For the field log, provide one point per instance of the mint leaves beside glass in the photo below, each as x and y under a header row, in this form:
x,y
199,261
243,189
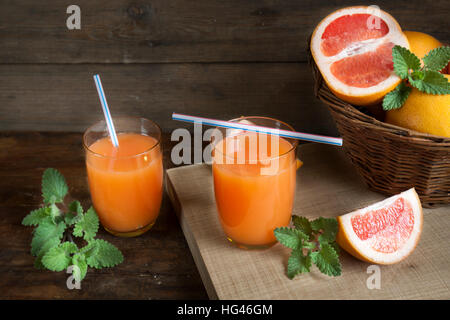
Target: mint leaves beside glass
x,y
426,78
58,224
311,242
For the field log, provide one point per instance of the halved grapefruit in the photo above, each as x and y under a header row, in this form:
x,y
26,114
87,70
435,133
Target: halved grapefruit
x,y
353,49
385,232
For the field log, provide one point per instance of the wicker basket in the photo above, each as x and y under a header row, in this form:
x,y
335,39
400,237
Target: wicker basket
x,y
389,158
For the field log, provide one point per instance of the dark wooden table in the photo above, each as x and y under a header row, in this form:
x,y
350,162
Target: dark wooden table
x,y
158,264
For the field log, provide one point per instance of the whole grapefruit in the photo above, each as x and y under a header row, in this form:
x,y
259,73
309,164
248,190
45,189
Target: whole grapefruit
x,y
423,112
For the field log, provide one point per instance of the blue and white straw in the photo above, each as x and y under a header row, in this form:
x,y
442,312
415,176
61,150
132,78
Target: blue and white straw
x,y
109,122
255,128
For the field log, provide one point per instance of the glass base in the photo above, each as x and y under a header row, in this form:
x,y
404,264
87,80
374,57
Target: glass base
x,y
251,246
131,234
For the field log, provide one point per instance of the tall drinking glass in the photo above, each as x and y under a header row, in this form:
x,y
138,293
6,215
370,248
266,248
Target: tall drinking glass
x,y
126,183
254,182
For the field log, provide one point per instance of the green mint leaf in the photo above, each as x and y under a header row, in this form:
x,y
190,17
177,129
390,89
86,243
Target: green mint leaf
x,y
302,224
46,231
52,242
437,59
328,227
86,225
106,256
69,247
54,212
397,97
417,75
335,247
90,249
290,237
432,82
79,260
58,258
327,260
298,263
70,218
36,216
404,60
54,187
74,213
75,207
309,245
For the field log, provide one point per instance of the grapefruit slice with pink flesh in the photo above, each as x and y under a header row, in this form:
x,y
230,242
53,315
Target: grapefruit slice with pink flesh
x,y
385,232
352,48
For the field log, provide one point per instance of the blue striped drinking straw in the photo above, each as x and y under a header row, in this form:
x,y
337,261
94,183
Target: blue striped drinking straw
x,y
255,128
109,122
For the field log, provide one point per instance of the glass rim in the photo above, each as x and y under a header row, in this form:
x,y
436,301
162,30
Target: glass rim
x,y
294,145
158,142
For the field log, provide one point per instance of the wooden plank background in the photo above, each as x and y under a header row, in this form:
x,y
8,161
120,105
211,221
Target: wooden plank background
x,y
160,56
123,31
64,98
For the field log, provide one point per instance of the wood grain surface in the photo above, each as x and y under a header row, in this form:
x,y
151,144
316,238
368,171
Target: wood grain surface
x,y
157,265
64,98
327,185
123,31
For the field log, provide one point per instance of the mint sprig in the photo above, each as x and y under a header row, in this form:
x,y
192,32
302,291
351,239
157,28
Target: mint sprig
x,y
311,242
424,78
53,244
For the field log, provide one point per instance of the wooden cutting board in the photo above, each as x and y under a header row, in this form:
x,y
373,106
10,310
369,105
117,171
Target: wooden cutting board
x,y
327,185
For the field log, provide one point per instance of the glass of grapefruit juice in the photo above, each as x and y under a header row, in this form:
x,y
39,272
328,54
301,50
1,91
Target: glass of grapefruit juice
x,y
126,183
254,182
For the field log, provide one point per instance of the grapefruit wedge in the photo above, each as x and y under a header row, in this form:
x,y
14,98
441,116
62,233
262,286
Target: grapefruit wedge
x,y
352,48
385,232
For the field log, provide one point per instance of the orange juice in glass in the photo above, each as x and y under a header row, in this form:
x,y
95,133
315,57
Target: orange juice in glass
x,y
254,182
126,183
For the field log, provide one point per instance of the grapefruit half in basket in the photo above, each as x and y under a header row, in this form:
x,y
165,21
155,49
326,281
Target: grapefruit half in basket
x,y
352,48
385,232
